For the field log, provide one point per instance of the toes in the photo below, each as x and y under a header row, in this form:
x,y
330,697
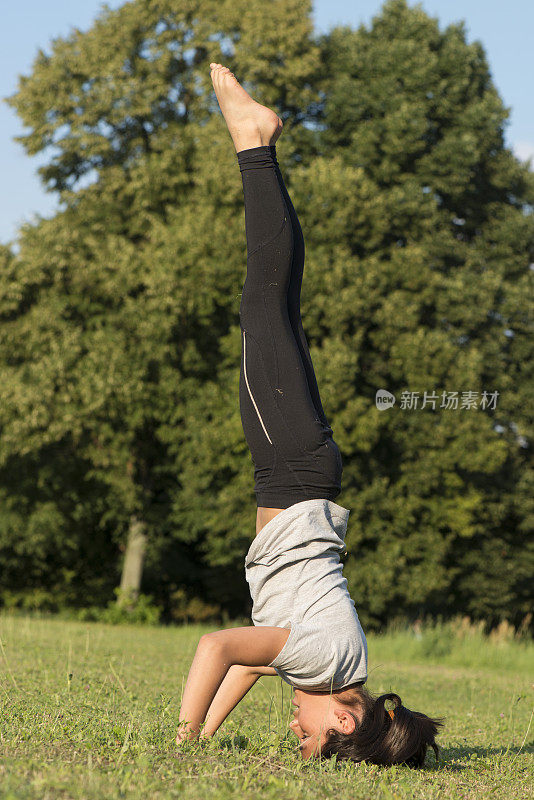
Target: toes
x,y
216,72
219,72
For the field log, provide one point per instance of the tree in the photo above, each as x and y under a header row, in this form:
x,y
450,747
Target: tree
x,y
437,236
114,312
419,237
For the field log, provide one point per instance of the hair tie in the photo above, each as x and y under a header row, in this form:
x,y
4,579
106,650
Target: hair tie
x,y
390,712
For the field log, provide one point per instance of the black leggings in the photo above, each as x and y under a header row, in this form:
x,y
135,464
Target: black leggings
x,y
294,454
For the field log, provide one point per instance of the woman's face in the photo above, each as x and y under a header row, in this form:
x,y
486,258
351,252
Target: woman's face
x,y
314,714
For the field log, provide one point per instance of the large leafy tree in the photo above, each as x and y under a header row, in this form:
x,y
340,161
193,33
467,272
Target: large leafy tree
x,y
119,343
114,311
433,213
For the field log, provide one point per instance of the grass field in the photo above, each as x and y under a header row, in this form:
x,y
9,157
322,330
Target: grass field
x,y
90,711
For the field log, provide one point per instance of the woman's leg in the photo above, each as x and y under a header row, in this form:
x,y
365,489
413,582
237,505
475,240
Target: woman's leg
x,y
294,455
293,298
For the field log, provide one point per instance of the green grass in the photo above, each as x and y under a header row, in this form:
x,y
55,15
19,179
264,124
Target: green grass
x,y
90,711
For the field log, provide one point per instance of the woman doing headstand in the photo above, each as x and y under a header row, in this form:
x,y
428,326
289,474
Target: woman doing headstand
x,y
306,629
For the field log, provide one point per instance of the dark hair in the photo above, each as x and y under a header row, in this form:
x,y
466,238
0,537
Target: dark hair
x,y
381,738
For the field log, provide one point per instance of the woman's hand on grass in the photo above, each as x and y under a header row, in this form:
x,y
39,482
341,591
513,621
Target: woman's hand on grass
x,y
185,733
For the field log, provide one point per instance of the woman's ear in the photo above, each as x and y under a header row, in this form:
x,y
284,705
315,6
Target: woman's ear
x,y
345,720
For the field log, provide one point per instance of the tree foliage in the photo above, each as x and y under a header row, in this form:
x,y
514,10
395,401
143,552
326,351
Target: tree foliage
x,y
119,335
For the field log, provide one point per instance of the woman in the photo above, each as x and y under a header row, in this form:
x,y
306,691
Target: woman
x,y
306,629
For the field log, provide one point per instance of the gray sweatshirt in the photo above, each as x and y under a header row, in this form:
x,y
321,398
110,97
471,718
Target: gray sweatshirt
x,y
295,579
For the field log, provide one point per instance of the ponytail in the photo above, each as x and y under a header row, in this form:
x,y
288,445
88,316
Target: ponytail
x,y
384,736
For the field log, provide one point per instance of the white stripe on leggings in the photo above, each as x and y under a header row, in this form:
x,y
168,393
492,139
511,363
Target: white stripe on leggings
x,y
248,387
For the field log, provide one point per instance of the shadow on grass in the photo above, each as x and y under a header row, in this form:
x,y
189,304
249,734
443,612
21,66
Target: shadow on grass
x,y
467,754
236,742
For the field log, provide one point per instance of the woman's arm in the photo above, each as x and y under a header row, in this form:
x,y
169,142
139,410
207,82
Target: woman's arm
x,y
237,682
216,653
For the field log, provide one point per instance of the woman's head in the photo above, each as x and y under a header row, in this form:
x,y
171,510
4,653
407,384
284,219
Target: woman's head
x,y
314,714
358,727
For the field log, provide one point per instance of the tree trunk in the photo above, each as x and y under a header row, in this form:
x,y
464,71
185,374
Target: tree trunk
x,y
132,569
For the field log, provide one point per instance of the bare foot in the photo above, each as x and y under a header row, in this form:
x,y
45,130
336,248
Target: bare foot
x,y
250,124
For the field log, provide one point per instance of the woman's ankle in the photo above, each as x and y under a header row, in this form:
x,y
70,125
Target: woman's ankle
x,y
247,143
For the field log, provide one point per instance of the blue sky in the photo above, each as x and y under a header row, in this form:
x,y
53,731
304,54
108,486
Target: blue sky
x,y
504,28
